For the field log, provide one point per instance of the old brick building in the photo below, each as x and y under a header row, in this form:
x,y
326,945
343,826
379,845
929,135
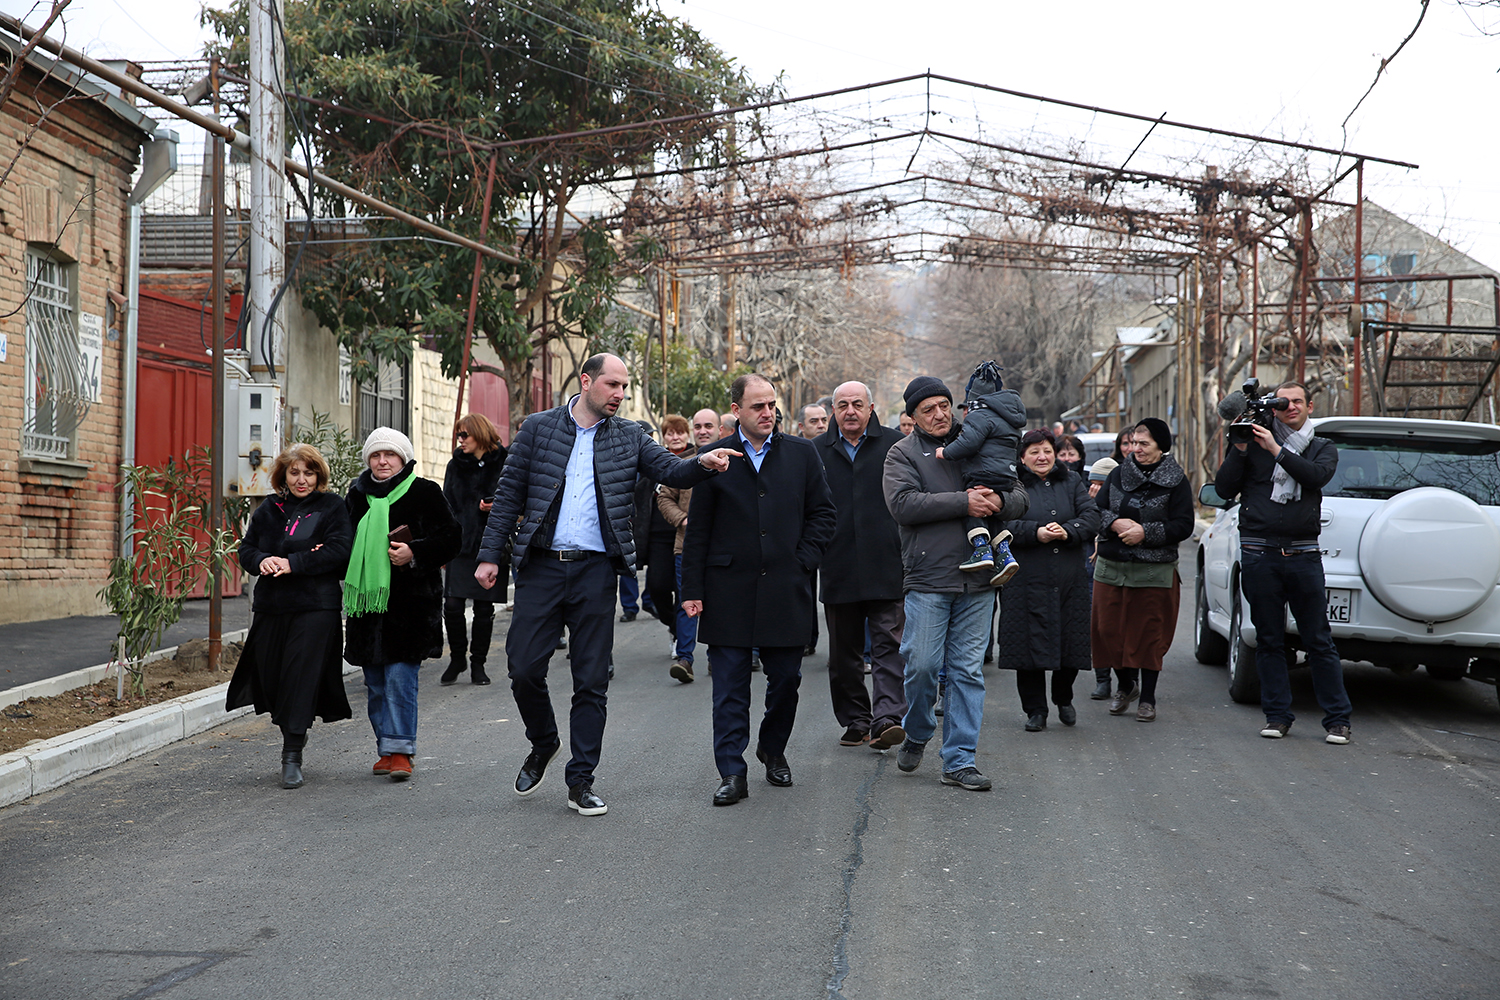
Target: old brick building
x,y
67,151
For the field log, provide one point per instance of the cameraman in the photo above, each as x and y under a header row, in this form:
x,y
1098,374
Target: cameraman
x,y
1280,477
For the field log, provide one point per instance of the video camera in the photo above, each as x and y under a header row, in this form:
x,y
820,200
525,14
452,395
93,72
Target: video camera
x,y
1247,406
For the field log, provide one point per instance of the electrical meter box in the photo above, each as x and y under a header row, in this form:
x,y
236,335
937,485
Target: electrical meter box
x,y
253,425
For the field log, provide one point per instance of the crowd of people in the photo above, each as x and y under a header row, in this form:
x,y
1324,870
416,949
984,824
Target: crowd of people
x,y
911,537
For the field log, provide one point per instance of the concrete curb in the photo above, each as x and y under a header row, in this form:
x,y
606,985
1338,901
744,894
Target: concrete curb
x,y
47,687
48,764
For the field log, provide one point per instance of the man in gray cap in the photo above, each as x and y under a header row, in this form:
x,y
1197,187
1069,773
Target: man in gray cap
x,y
947,610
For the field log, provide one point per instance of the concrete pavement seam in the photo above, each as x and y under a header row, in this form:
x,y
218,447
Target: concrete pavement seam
x,y
851,868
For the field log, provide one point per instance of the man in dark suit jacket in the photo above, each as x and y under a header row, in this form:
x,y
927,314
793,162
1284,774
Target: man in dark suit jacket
x,y
862,575
756,534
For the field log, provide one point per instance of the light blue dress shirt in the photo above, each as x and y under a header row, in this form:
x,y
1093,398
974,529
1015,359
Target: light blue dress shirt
x,y
756,457
578,516
853,449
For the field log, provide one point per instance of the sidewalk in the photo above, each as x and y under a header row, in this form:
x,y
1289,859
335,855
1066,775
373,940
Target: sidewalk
x,y
33,651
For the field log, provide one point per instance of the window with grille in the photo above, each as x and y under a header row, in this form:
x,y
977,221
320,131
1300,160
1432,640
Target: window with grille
x,y
382,403
55,401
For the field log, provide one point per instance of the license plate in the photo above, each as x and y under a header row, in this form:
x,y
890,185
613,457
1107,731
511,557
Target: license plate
x,y
1340,606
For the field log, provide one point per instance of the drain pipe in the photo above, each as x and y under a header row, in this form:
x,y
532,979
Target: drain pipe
x,y
132,334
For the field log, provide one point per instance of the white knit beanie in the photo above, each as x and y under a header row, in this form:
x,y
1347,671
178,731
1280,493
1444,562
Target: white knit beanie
x,y
387,439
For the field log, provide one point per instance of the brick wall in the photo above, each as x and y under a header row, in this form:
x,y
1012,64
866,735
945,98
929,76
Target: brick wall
x,y
59,520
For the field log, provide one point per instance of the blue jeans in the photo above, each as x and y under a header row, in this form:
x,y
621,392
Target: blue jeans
x,y
1273,583
946,632
687,628
392,701
630,593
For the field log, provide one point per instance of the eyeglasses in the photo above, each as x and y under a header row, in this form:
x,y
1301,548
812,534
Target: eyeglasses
x,y
463,435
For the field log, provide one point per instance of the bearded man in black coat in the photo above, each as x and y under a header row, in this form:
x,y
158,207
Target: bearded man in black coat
x,y
756,534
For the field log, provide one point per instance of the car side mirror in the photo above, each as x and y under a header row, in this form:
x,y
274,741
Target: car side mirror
x,y
1209,497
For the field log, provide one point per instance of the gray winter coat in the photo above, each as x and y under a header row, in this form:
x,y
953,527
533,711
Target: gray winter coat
x,y
531,482
926,496
986,444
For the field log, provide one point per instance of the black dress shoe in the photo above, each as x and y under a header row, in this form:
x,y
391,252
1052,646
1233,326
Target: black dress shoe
x,y
777,771
628,616
731,790
535,768
1036,723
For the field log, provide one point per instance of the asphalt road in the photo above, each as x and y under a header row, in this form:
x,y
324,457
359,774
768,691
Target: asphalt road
x,y
1186,858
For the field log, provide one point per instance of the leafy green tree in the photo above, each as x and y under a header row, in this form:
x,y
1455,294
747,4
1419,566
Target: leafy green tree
x,y
411,95
692,381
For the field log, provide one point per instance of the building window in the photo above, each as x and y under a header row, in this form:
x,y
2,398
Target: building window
x,y
55,402
383,402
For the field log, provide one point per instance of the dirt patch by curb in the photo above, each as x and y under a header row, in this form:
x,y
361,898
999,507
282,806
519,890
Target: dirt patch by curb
x,y
42,718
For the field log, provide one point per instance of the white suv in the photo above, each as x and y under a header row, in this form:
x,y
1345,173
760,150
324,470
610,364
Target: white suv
x,y
1411,554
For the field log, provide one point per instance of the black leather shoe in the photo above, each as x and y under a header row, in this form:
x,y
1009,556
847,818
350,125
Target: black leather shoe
x,y
477,674
731,790
535,768
1036,723
777,771
584,802
291,769
451,674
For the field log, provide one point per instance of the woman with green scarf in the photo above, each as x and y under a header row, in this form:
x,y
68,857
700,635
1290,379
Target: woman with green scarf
x,y
393,592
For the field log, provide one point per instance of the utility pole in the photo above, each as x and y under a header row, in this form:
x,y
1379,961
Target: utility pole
x,y
267,185
216,456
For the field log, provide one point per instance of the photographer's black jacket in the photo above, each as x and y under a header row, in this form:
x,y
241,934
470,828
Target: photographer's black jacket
x,y
1247,474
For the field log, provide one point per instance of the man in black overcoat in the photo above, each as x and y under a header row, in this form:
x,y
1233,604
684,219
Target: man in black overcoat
x,y
862,575
756,534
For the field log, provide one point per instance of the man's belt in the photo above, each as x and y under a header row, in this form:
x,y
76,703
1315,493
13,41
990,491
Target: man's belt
x,y
570,555
1286,548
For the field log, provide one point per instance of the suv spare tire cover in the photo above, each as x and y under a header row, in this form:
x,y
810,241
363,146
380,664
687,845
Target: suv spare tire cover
x,y
1430,554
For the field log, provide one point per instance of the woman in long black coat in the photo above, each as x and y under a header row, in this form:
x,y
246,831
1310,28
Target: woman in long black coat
x,y
395,610
469,487
298,545
1044,606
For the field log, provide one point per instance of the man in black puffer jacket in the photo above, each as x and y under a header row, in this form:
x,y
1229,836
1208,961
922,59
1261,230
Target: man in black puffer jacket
x,y
567,494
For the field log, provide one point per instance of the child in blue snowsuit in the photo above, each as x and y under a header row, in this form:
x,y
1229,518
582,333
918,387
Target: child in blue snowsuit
x,y
987,445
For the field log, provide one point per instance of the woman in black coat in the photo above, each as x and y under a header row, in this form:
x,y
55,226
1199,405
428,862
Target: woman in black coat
x,y
298,545
469,487
1145,512
393,592
1043,605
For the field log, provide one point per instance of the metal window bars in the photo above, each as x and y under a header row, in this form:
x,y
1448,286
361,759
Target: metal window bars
x,y
55,401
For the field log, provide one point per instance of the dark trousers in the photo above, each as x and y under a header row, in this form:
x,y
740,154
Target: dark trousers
x,y
730,666
458,640
661,579
852,704
1031,685
549,595
1272,583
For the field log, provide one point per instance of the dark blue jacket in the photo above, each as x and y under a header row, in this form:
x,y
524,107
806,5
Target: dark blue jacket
x,y
530,490
988,440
